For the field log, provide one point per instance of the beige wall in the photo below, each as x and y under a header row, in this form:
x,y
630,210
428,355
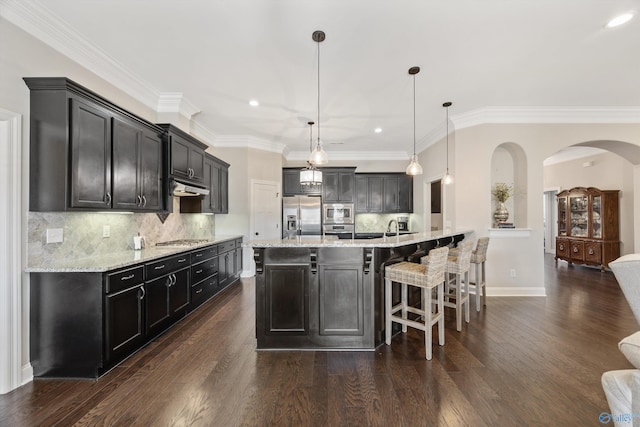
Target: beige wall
x,y
469,201
609,172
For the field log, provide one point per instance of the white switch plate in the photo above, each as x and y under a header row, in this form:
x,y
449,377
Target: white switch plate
x,y
54,235
106,231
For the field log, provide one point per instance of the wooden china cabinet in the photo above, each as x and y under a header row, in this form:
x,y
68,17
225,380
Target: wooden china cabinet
x,y
588,230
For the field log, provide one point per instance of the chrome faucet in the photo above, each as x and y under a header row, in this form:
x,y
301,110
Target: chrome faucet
x,y
389,227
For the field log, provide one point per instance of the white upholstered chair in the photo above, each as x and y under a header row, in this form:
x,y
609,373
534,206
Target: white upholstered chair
x,y
428,277
622,387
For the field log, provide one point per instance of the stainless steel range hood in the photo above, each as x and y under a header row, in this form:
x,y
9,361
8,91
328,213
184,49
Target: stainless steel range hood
x,y
181,189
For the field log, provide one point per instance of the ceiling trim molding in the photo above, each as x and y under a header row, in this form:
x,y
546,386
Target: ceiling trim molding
x,y
36,20
203,133
175,102
247,141
352,155
560,115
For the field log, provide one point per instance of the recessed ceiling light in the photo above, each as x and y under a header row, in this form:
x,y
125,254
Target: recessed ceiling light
x,y
377,130
254,103
620,19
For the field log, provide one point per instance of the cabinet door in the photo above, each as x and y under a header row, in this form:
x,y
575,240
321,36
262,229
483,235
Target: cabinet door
x,y
341,300
291,182
346,186
207,204
150,171
577,250
90,156
157,305
375,191
196,163
405,194
286,300
562,248
390,192
224,190
593,252
124,322
179,293
180,151
238,262
330,187
362,188
562,216
126,157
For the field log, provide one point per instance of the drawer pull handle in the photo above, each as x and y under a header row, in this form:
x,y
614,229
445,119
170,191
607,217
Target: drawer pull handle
x,y
198,291
131,276
575,249
591,251
159,267
182,260
198,271
198,255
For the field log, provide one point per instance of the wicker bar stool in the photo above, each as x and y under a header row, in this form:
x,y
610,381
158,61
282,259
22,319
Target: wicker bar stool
x,y
478,258
427,277
456,293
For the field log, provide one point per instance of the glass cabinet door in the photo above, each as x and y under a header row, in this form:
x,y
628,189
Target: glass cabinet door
x,y
562,216
596,226
579,216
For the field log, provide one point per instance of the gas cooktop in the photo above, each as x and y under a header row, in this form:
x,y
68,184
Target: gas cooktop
x,y
183,242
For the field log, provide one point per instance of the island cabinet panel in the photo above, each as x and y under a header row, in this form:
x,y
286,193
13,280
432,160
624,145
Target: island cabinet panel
x,y
341,300
314,298
287,300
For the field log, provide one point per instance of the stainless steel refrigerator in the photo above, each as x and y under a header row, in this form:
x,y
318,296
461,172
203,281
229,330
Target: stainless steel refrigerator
x,y
301,216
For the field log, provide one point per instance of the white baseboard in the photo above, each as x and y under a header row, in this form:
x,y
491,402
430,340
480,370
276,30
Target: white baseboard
x,y
516,291
247,273
27,374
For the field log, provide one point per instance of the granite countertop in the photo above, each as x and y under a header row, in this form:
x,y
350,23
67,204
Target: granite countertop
x,y
333,241
117,260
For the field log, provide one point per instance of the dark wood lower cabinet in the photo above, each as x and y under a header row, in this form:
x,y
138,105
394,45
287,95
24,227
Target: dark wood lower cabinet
x,y
83,324
314,298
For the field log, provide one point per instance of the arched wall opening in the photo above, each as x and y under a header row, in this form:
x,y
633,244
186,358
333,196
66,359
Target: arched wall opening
x,y
509,166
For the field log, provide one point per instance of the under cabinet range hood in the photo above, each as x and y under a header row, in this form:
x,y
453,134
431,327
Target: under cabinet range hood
x,y
181,189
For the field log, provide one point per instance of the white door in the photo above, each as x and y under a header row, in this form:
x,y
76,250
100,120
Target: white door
x,y
265,210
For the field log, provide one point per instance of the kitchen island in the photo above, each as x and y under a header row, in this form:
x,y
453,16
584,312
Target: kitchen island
x,y
324,293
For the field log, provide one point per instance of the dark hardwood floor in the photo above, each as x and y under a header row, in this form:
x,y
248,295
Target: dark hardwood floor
x,y
520,362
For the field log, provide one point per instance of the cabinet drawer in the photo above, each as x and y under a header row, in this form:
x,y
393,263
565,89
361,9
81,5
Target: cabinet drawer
x,y
593,252
204,289
226,246
166,265
562,248
577,250
203,269
205,253
124,279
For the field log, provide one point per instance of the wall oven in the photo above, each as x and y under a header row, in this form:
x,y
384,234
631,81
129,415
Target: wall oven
x,y
337,213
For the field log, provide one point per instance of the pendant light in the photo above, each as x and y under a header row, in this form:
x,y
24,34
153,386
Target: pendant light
x,y
310,175
318,156
448,178
414,167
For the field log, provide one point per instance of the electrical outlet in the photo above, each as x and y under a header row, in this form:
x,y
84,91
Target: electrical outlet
x,y
106,231
513,272
54,235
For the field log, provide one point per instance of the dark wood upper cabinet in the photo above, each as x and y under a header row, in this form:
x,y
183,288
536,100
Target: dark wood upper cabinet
x,y
90,157
384,193
186,155
338,185
216,180
87,153
291,184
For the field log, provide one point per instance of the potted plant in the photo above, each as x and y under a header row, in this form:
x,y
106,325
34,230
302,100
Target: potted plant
x,y
501,192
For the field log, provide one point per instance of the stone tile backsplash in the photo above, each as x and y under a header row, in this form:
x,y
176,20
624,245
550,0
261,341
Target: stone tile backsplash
x,y
82,232
377,223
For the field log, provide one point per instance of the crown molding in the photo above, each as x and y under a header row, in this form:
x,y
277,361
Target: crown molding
x,y
527,115
246,141
351,155
36,20
175,102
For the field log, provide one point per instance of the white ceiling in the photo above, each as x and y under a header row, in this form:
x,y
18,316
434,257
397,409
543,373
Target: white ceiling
x,y
535,57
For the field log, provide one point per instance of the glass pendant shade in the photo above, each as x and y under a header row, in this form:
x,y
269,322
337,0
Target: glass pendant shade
x,y
414,167
310,176
319,156
447,179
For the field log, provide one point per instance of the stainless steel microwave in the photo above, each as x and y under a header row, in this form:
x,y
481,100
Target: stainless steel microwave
x,y
337,213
